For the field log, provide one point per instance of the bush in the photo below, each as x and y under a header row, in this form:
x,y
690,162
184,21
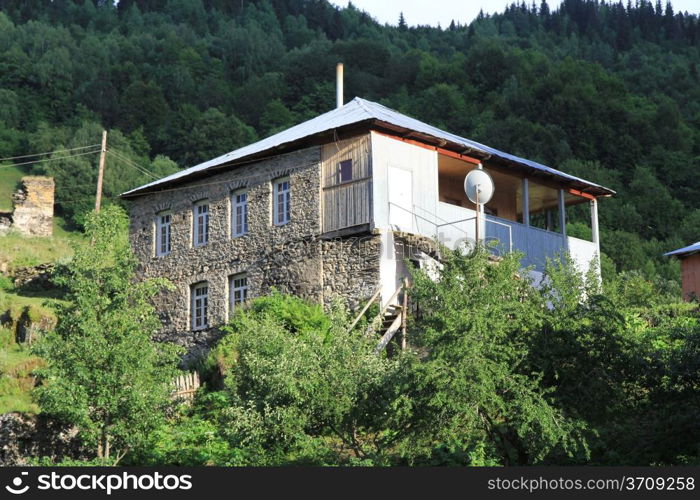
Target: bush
x,y
302,389
6,283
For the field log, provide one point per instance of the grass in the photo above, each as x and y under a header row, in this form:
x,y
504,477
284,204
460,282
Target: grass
x,y
16,362
9,181
39,304
21,251
16,379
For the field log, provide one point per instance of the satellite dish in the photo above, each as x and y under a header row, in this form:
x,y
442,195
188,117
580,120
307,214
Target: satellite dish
x,y
478,185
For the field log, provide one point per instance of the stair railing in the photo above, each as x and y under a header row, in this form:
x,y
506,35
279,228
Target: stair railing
x,y
371,301
402,287
403,312
391,299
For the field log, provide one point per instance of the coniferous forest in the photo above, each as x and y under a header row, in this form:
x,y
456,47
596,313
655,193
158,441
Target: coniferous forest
x,y
572,372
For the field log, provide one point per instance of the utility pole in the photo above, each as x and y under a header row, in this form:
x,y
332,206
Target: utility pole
x,y
101,173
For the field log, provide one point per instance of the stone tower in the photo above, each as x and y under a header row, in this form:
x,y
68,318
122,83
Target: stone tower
x,y
33,206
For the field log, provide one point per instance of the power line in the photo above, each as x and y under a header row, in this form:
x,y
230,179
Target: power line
x,y
124,157
139,170
49,159
132,164
129,162
47,153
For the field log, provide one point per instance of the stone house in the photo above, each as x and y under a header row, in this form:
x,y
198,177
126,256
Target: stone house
x,y
333,207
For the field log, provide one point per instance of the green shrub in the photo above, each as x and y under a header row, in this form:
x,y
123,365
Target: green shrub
x,y
188,441
7,337
292,313
6,283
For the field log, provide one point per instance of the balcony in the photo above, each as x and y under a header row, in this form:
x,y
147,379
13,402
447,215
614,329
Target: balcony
x,y
454,227
537,244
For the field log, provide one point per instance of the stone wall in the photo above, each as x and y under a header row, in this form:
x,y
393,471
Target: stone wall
x,y
351,269
23,437
291,258
33,206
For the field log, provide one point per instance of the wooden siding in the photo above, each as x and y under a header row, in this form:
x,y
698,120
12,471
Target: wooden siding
x,y
690,276
346,204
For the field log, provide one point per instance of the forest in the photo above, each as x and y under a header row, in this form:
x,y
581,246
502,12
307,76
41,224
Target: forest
x,y
605,90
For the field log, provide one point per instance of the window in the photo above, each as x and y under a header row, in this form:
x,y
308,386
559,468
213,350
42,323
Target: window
x,y
200,305
281,206
239,213
344,171
238,291
201,223
163,245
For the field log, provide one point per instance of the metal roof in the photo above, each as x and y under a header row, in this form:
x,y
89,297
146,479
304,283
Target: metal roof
x,y
356,111
695,247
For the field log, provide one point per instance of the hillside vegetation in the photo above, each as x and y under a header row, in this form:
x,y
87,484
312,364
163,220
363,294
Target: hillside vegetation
x,y
9,180
26,307
16,375
601,89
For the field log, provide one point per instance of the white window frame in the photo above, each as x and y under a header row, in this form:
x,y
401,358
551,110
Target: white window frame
x,y
199,305
239,213
163,240
281,201
200,223
237,291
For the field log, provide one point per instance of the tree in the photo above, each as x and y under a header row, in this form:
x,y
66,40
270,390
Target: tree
x,y
104,373
303,389
474,397
402,22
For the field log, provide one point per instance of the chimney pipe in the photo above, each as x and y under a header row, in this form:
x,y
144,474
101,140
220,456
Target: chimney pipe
x,y
339,85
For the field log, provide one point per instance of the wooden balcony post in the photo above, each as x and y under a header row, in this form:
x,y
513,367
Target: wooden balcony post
x,y
562,213
526,202
594,222
404,314
595,232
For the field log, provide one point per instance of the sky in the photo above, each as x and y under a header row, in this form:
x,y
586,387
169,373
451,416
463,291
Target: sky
x,y
463,11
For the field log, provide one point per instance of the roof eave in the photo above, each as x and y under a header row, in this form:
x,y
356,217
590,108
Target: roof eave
x,y
580,185
309,141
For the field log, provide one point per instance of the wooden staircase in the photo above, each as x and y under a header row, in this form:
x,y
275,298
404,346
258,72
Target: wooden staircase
x,y
391,319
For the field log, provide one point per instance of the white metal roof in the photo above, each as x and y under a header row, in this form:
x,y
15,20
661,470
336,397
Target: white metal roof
x,y
355,111
695,247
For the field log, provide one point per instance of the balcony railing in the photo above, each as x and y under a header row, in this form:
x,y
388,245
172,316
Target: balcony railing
x,y
455,226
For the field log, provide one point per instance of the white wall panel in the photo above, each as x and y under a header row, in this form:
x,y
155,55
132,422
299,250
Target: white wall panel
x,y
422,163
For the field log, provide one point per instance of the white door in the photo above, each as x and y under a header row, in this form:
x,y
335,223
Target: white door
x,y
401,199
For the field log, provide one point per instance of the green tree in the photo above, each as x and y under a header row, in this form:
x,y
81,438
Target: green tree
x,y
104,373
303,389
476,400
402,22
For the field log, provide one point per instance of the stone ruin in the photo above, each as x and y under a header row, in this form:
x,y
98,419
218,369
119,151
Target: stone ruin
x,y
33,208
